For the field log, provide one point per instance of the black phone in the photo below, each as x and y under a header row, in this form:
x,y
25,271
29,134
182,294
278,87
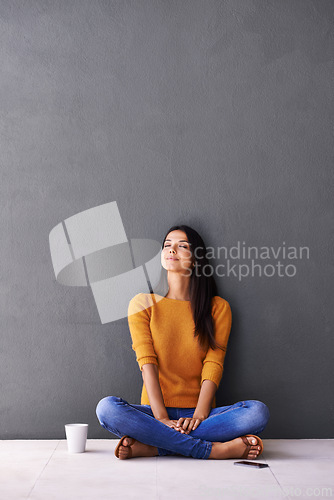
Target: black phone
x,y
256,465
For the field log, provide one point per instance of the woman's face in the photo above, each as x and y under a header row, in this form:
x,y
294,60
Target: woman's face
x,y
176,254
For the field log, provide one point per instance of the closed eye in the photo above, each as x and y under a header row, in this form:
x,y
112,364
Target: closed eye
x,y
183,246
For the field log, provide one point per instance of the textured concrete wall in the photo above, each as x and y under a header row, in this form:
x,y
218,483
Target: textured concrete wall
x,y
216,114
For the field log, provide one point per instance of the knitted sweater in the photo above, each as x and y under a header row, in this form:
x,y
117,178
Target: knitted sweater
x,y
162,332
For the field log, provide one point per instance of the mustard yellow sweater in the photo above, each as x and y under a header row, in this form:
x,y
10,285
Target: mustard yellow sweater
x,y
162,332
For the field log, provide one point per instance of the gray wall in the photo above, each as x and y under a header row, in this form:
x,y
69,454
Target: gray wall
x,y
216,114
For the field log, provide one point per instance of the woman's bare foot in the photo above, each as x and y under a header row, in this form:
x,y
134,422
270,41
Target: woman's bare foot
x,y
235,449
138,449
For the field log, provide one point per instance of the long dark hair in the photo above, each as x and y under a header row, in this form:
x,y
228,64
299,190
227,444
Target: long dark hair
x,y
202,288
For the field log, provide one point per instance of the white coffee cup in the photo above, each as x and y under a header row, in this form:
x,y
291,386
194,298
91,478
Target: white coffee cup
x,y
76,435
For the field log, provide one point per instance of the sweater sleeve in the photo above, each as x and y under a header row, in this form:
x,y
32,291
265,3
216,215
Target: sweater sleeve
x,y
214,361
139,325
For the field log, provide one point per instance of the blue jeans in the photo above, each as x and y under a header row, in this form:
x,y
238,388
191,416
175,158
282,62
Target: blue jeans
x,y
223,424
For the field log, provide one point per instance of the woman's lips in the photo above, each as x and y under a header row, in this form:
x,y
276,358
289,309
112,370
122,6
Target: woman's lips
x,y
171,258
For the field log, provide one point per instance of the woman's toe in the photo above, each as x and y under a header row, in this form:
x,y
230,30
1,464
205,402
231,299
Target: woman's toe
x,y
123,451
255,449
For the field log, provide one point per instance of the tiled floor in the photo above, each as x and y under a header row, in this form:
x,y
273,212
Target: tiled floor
x,y
44,470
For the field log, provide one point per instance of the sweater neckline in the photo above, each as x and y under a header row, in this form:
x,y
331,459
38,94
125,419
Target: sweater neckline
x,y
175,300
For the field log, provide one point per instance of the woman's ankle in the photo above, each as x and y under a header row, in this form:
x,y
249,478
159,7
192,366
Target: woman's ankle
x,y
214,450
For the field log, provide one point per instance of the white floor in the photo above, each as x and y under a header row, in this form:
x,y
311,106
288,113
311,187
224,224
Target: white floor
x,y
44,470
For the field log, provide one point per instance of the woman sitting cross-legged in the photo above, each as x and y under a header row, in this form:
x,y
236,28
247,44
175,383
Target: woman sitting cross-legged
x,y
180,340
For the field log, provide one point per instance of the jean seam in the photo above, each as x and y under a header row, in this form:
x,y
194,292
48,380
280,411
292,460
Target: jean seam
x,y
207,450
229,409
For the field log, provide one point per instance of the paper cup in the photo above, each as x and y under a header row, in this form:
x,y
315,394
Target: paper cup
x,y
76,436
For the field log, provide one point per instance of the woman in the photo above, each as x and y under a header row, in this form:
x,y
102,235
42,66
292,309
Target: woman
x,y
180,341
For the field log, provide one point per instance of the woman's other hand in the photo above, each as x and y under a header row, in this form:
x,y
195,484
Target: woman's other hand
x,y
188,424
183,425
169,422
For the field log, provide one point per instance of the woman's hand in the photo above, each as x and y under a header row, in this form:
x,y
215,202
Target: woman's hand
x,y
188,424
183,425
169,422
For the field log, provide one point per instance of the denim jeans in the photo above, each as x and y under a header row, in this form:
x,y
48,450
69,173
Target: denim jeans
x,y
223,424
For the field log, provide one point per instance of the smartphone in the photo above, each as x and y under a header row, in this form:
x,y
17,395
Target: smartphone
x,y
256,465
